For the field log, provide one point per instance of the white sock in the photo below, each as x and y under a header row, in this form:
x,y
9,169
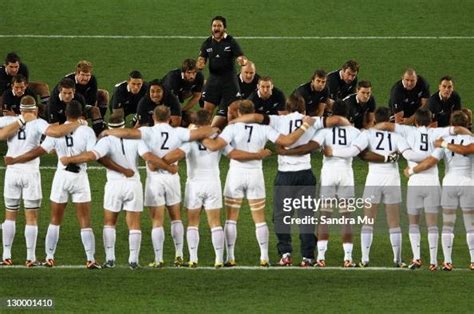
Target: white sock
x,y
396,241
8,234
415,239
447,238
322,248
52,237
192,237
347,247
433,244
217,235
262,234
88,241
366,236
158,238
109,236
134,242
177,233
470,244
31,234
230,232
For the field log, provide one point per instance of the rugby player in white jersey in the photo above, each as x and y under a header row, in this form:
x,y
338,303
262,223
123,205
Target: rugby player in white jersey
x,y
245,178
382,184
203,189
294,178
458,185
424,190
121,191
23,180
162,188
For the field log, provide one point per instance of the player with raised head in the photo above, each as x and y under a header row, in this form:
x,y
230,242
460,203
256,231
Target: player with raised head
x,y
248,79
157,95
221,50
268,99
457,153
382,184
13,95
162,186
127,95
407,95
361,106
245,178
343,82
23,180
123,190
315,94
186,83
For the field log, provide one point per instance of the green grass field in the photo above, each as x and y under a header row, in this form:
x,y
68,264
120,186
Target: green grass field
x,y
435,37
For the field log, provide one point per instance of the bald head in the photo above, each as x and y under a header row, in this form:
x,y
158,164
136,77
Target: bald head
x,y
409,79
248,72
162,113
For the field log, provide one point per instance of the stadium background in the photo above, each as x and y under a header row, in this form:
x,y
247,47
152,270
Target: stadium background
x,y
435,37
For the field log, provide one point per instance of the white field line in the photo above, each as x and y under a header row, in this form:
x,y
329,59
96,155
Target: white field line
x,y
251,268
88,168
60,36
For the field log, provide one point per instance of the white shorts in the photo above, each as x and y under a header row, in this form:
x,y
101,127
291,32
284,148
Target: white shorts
x,y
207,194
384,188
162,189
457,190
126,194
20,184
423,192
337,183
67,183
241,182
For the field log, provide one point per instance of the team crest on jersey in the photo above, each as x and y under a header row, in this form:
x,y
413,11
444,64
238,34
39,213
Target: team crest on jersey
x,y
227,48
209,50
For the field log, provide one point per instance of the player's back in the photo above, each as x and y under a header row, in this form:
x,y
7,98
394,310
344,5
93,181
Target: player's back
x,y
337,137
163,138
27,138
249,137
201,164
457,164
383,143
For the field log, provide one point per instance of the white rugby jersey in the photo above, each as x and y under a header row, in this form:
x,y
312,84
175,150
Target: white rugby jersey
x,y
122,151
456,164
285,124
26,138
80,140
337,137
383,143
160,139
202,164
249,137
420,140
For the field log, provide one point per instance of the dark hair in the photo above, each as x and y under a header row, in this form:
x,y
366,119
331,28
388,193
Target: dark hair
x,y
459,118
423,116
246,106
364,84
74,109
340,108
66,83
352,65
162,113
265,79
12,57
19,78
319,73
295,103
446,78
382,114
202,117
156,82
220,18
135,75
188,64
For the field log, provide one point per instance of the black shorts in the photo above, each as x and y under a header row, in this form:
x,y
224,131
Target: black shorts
x,y
221,91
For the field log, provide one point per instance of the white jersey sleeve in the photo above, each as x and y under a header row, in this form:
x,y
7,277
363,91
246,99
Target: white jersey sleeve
x,y
228,133
271,134
48,144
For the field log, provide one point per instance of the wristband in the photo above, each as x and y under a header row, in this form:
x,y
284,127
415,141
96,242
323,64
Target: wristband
x,y
305,126
385,158
410,171
444,144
